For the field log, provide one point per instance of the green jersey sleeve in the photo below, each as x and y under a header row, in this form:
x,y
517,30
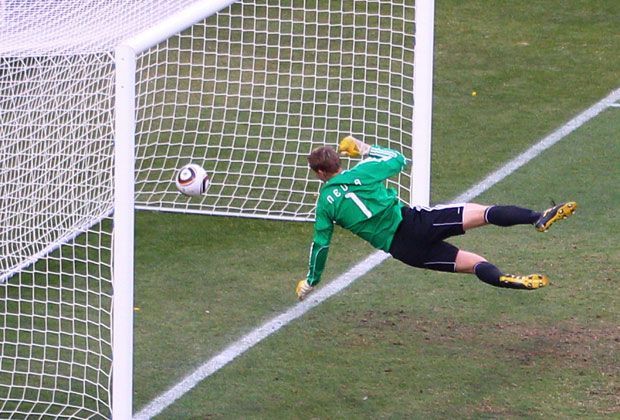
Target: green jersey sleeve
x,y
382,163
323,230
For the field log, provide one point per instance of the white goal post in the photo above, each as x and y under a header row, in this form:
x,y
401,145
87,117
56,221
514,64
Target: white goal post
x,y
101,102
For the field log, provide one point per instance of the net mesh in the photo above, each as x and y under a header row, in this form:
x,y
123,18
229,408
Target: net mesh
x,y
246,93
249,92
56,185
55,235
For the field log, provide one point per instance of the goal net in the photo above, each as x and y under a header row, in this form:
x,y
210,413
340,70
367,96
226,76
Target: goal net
x,y
246,89
249,92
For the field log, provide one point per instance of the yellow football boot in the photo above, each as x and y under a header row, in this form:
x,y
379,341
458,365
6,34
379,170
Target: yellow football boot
x,y
533,281
553,214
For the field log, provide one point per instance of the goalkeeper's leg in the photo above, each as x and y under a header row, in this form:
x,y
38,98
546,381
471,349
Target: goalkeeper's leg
x,y
443,256
419,241
468,262
475,215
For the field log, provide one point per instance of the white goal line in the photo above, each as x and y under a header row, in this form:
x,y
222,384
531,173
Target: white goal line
x,y
249,340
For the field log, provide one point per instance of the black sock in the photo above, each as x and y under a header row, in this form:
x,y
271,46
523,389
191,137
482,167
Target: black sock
x,y
488,273
510,216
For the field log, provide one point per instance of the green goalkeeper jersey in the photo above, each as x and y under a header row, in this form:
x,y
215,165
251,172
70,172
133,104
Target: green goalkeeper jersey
x,y
358,200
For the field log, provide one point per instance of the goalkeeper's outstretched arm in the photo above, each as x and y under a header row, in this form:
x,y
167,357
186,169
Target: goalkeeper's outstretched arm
x,y
383,163
323,230
318,257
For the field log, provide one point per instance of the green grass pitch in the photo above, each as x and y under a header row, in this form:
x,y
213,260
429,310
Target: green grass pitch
x,y
405,343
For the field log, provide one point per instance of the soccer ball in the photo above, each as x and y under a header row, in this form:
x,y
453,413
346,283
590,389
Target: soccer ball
x,y
192,180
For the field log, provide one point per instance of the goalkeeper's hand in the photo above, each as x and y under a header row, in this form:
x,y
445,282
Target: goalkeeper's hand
x,y
302,289
352,147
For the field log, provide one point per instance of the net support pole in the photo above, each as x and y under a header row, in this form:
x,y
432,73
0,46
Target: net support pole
x,y
423,102
123,240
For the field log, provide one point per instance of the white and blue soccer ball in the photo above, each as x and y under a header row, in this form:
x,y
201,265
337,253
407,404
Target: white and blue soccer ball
x,y
192,180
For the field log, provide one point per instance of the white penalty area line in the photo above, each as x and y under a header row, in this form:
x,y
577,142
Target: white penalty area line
x,y
249,340
539,147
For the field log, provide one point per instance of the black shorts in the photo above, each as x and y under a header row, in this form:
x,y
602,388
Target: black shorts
x,y
419,239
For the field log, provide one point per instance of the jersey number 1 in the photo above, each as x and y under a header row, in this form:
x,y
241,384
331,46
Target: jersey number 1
x,y
359,204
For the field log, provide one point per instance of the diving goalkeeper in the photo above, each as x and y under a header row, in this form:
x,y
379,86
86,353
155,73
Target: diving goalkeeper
x,y
358,200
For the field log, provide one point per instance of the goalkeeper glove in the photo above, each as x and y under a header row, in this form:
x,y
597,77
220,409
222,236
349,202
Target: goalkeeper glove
x,y
352,147
302,289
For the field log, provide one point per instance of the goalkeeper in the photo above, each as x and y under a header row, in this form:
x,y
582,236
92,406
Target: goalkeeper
x,y
358,200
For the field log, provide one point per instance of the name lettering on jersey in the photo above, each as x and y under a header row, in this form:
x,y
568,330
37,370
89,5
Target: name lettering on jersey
x,y
336,191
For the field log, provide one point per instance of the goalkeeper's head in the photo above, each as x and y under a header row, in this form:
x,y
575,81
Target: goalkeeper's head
x,y
325,161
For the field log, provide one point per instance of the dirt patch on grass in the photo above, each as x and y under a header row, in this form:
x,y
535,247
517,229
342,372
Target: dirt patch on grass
x,y
567,340
577,349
